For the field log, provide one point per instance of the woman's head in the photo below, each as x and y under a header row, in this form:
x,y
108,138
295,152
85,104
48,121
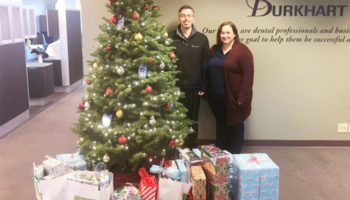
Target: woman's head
x,y
227,33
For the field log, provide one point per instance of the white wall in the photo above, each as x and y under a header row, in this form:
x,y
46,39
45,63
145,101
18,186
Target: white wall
x,y
300,88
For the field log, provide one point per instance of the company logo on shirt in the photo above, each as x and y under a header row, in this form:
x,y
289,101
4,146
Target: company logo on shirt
x,y
195,46
261,8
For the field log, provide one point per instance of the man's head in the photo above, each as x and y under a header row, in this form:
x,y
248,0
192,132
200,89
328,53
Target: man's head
x,y
186,16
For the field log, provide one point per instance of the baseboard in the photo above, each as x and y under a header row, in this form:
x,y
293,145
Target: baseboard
x,y
13,123
70,88
286,142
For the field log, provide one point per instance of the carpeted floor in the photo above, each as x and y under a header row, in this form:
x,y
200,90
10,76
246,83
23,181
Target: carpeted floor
x,y
306,173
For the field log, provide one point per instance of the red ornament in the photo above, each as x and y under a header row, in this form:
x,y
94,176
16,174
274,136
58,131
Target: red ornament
x,y
88,82
146,7
151,60
168,106
109,91
122,140
172,143
81,105
148,89
172,55
111,1
155,7
108,47
135,15
113,19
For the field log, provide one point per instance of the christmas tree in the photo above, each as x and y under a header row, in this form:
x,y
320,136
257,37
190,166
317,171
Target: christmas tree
x,y
132,111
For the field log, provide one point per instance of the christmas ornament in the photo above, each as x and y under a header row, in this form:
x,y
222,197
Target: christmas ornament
x,y
106,120
86,105
81,105
108,47
106,158
155,7
148,89
113,19
142,73
135,15
88,82
119,113
111,1
151,60
146,7
120,70
95,66
168,106
109,91
138,37
165,35
172,143
162,65
120,24
122,140
172,55
152,121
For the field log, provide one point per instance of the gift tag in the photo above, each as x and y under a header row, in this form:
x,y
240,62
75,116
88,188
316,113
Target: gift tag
x,y
142,71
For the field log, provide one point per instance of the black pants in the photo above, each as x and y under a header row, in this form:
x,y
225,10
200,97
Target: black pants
x,y
191,102
228,137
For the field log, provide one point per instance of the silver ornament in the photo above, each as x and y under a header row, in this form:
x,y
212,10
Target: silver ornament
x,y
106,158
162,65
120,70
152,121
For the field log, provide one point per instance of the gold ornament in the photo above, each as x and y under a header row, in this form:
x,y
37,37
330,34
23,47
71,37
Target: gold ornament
x,y
138,37
119,113
95,66
165,35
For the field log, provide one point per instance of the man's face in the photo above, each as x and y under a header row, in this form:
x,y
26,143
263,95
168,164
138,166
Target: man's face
x,y
186,18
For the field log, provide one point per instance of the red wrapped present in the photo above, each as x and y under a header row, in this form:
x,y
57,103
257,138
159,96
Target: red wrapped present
x,y
147,185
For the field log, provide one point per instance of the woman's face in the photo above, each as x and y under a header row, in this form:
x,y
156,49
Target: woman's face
x,y
226,35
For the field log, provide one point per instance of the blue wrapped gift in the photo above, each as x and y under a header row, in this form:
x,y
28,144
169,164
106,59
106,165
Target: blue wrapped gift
x,y
184,173
74,161
258,177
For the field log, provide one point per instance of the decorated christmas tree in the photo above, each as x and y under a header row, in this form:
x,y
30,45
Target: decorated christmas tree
x,y
132,111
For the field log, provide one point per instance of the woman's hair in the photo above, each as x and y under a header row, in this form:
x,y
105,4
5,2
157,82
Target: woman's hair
x,y
234,28
218,40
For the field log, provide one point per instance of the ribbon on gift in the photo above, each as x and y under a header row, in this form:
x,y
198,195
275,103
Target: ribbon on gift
x,y
147,179
170,172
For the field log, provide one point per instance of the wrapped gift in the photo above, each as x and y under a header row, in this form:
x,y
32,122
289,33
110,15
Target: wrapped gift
x,y
147,185
190,157
216,164
258,176
53,167
74,161
172,190
127,192
198,181
218,191
64,187
183,169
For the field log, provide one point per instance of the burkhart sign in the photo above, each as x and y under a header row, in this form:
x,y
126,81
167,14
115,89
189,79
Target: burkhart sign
x,y
261,8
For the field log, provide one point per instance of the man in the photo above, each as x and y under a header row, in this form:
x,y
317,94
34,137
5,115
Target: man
x,y
191,50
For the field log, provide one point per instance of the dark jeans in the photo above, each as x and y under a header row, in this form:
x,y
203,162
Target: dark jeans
x,y
228,137
191,102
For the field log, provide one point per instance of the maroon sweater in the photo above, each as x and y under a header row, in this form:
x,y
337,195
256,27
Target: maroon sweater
x,y
239,73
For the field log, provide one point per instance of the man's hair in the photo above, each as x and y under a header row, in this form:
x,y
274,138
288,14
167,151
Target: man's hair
x,y
186,7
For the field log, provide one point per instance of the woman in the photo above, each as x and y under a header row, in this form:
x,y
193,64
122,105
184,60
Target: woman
x,y
230,72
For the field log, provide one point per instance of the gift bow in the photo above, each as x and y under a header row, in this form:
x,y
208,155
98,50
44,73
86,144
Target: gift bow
x,y
147,179
170,172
